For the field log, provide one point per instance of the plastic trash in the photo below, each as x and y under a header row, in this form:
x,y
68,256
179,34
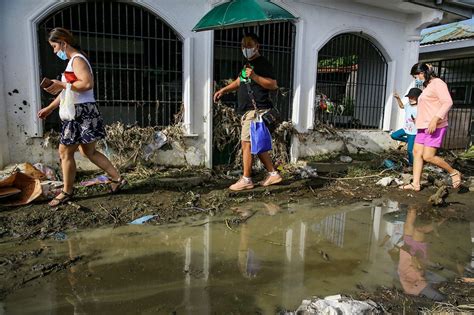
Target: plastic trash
x,y
435,169
60,236
337,305
47,171
102,179
159,140
51,189
385,181
67,110
390,165
143,219
306,172
345,159
106,149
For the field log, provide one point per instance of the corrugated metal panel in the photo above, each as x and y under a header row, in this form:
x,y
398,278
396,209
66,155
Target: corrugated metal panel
x,y
449,32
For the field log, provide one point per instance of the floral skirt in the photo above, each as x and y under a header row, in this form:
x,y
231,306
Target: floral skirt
x,y
87,126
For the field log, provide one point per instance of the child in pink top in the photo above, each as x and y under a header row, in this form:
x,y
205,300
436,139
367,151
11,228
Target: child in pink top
x,y
432,123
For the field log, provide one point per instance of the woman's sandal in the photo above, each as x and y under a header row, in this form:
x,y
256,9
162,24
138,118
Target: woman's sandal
x,y
60,201
410,186
121,182
456,183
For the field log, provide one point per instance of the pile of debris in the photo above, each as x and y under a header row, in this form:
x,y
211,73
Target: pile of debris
x,y
337,304
227,130
23,183
129,145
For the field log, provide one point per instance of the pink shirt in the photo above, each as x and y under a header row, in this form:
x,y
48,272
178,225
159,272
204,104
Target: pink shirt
x,y
434,101
411,278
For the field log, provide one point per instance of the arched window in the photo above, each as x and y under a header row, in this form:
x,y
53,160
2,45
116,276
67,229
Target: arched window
x,y
350,84
277,45
136,57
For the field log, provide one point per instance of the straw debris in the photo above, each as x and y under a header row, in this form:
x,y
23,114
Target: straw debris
x,y
126,142
227,130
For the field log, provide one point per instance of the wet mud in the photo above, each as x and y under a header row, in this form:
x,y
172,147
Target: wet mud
x,y
212,251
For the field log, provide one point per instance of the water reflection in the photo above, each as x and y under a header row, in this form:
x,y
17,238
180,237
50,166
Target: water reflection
x,y
413,258
277,256
420,251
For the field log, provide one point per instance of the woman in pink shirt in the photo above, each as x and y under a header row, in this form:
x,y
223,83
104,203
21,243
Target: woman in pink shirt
x,y
432,124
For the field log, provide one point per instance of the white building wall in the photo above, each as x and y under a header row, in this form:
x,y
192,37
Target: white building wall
x,y
20,71
320,20
4,152
390,31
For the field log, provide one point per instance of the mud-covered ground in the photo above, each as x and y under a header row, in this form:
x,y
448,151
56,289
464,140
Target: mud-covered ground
x,y
175,194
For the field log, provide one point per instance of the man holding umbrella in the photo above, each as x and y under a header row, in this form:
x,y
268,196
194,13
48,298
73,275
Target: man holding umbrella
x,y
258,74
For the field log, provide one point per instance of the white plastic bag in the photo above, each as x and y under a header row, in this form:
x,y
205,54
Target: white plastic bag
x,y
67,111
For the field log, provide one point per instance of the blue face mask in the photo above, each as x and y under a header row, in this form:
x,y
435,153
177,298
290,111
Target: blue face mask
x,y
419,83
61,55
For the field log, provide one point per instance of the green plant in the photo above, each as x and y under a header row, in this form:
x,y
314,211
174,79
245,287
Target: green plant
x,y
348,103
336,62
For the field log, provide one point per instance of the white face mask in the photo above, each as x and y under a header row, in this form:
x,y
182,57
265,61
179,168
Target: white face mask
x,y
249,52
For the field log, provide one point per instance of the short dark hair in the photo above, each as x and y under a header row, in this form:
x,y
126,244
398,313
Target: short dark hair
x,y
253,36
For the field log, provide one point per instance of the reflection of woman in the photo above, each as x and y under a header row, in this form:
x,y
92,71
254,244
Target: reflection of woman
x,y
87,127
77,296
414,259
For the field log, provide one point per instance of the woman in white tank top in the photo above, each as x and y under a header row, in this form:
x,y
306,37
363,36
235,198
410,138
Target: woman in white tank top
x,y
87,127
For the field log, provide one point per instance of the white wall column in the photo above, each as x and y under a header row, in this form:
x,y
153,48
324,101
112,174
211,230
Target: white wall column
x,y
207,97
4,151
405,80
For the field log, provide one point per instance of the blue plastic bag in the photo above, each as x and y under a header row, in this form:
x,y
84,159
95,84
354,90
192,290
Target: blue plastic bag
x,y
260,138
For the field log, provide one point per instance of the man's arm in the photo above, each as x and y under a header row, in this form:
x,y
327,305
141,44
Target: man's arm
x,y
266,83
226,89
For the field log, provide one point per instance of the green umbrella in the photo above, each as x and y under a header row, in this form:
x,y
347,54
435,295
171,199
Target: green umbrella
x,y
242,13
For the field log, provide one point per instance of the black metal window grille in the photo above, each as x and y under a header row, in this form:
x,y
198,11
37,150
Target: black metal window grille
x,y
459,76
277,45
350,83
136,57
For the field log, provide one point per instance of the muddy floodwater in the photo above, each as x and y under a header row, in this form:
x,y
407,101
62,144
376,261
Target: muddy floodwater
x,y
267,261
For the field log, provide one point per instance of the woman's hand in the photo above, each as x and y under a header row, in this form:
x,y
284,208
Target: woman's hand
x,y
45,112
56,87
432,126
